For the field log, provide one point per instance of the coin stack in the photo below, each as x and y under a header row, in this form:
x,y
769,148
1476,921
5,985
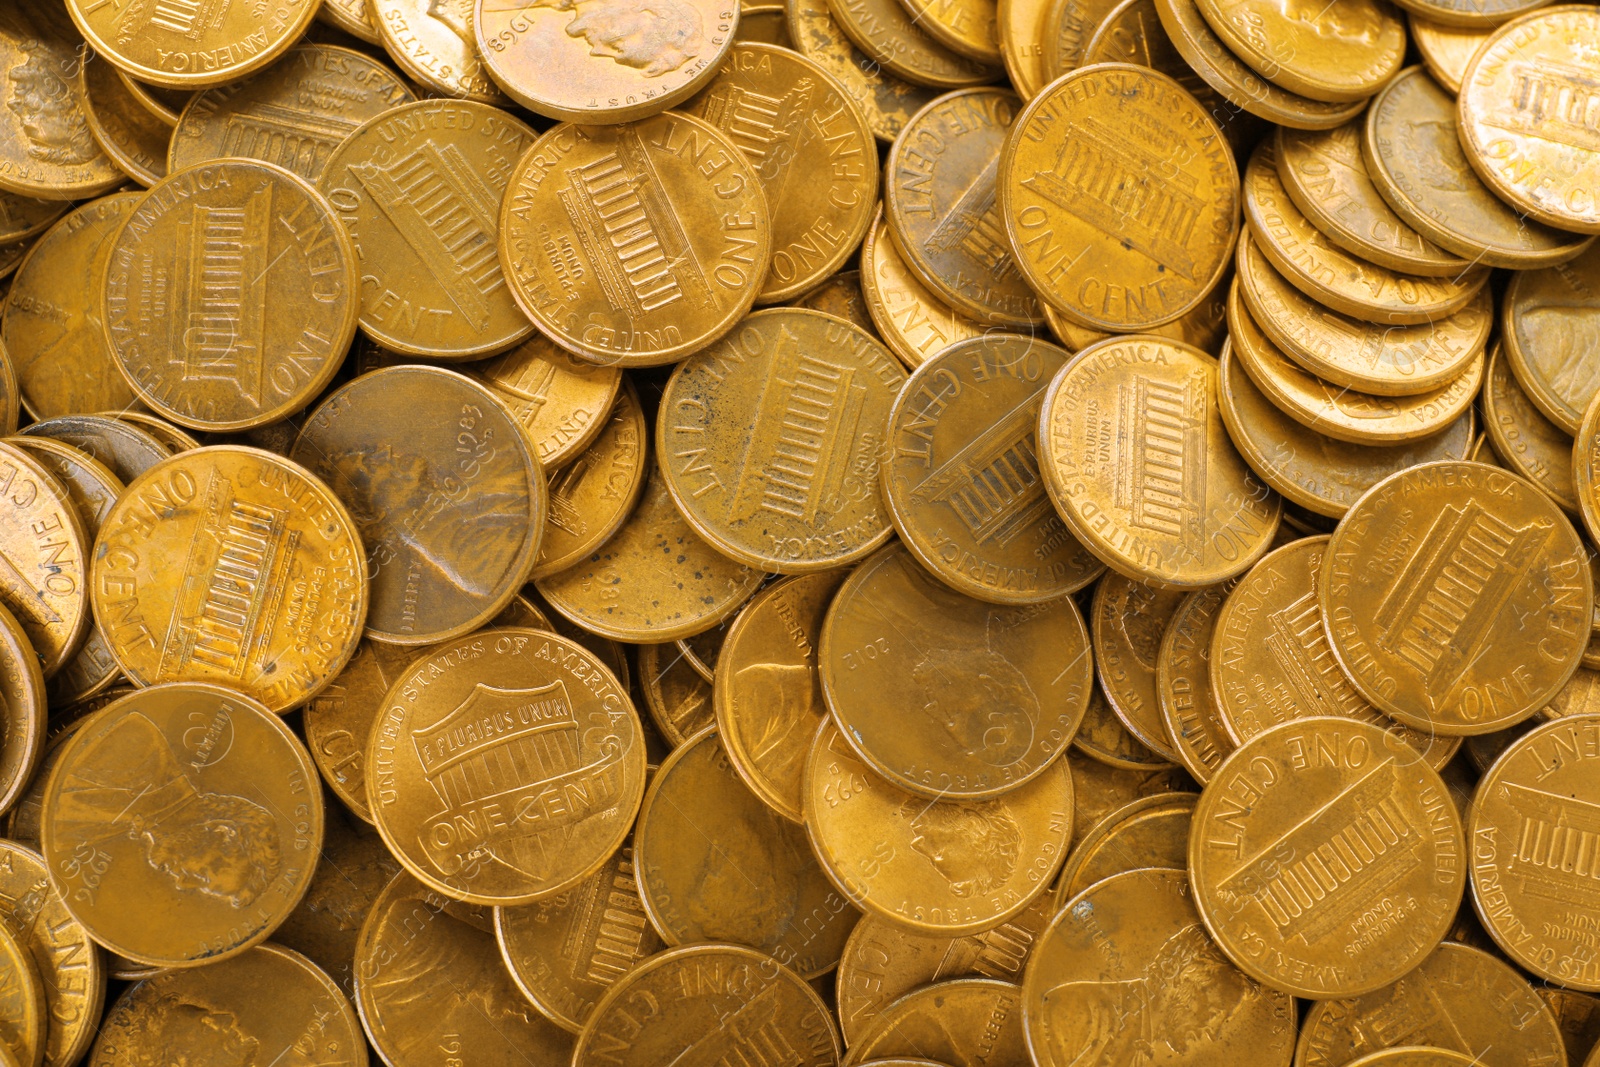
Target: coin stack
x,y
884,533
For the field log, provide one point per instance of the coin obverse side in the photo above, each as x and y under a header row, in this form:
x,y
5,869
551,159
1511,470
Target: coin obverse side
x,y
126,131
1336,54
1327,858
1526,441
434,44
964,1020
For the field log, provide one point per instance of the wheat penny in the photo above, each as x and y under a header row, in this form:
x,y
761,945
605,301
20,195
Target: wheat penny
x,y
44,560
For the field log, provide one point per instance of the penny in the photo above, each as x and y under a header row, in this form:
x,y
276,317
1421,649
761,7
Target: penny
x,y
180,824
1326,179
1336,54
1102,737
965,1022
1578,1016
887,101
49,152
505,766
67,962
1100,789
1150,832
1127,972
947,696
135,140
592,496
10,394
22,711
1330,275
193,47
1530,444
813,154
763,24
699,1003
419,188
942,205
1189,708
561,402
1174,503
697,242
967,27
434,43
1270,661
1068,26
840,295
339,719
883,962
172,438
52,328
44,554
896,38
295,113
1546,314
430,987
702,650
1128,620
1327,857
1416,1057
676,695
912,321
24,1011
1460,998
1445,49
1093,259
352,16
1377,359
164,102
1472,14
1398,552
1021,25
125,449
1205,327
946,867
771,441
1412,152
22,821
1580,696
22,217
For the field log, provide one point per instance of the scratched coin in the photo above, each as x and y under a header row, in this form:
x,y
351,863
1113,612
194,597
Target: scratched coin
x,y
1338,54
24,1018
44,559
1544,315
887,100
49,150
1128,620
892,36
190,45
1183,684
434,42
1148,832
962,1021
912,321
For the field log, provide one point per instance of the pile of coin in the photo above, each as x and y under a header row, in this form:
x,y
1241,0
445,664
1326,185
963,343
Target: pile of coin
x,y
883,533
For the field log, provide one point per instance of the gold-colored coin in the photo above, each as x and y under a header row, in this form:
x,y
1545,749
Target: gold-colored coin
x,y
505,766
52,329
1333,277
1526,441
562,402
1102,737
1327,858
1128,620
44,560
893,38
1189,707
912,321
434,42
171,438
888,101
677,696
1529,152
947,696
1100,789
771,441
715,863
1338,54
432,280
967,27
22,217
338,721
1104,266
67,962
1021,26
941,203
1578,1016
564,952
1460,998
966,1021
1509,639
1068,26
1546,317
1201,516
181,824
164,102
1446,49
49,151
1326,179
1150,832
1580,696
1205,327
1470,14
125,449
815,158
10,394
763,24
22,711
945,867
1417,1056
601,64
962,479
22,821
840,295
1377,359
191,47
354,17
1126,972
1586,468
24,1011
883,962
697,242
1416,160
293,114
704,1003
430,987
1530,860
1270,661
768,693
135,140
654,580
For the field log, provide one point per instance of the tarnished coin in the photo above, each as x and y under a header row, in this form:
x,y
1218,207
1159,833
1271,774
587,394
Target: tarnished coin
x,y
191,45
10,394
635,245
125,449
762,23
338,720
24,1011
1068,26
22,217
49,151
1578,1015
419,189
772,440
352,16
1149,832
230,565
52,329
812,151
887,101
1337,53
1166,498
1445,49
1519,110
912,321
430,987
1457,597
948,867
135,140
840,295
561,401
705,1003
1102,737
1531,866
1327,858
22,711
434,42
1100,789
1547,317
678,696
293,114
505,766
44,559
965,1021
1526,441
181,824
1128,620
1100,263
942,206
893,37
1189,706
1126,973
947,696
1021,26
1460,998
1416,160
